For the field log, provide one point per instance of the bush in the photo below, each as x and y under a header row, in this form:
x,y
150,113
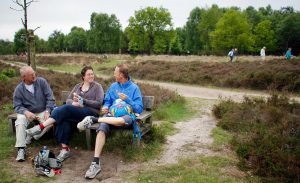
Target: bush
x,y
3,77
266,135
9,72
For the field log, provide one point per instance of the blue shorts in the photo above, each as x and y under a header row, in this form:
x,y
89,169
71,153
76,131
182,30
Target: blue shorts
x,y
107,127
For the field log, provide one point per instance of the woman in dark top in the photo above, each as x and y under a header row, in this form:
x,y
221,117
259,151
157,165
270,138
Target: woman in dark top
x,y
84,100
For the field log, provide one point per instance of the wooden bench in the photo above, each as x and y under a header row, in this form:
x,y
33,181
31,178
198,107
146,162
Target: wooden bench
x,y
144,120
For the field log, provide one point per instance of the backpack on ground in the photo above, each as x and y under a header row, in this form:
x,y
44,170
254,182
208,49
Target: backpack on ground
x,y
44,163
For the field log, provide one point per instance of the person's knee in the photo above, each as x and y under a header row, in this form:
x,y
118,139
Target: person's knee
x,y
21,120
103,128
101,133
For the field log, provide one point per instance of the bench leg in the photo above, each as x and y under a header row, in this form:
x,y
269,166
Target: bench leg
x,y
11,127
88,138
149,120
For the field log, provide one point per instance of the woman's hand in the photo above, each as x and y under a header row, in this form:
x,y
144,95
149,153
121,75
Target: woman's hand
x,y
104,110
76,104
75,97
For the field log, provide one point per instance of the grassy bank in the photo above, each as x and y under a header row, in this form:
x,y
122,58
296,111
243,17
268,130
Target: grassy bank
x,y
266,136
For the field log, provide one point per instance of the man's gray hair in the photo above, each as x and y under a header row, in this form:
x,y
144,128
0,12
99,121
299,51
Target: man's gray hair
x,y
24,69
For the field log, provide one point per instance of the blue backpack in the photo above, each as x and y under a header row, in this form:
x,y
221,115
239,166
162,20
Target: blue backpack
x,y
120,108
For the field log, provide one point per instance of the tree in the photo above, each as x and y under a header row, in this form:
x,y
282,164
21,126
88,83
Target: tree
x,y
266,11
76,40
193,43
147,28
6,47
253,16
104,34
20,41
232,30
56,41
288,32
264,35
209,19
41,45
175,45
181,34
28,33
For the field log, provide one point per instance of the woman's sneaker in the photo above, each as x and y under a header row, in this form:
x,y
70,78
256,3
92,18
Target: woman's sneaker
x,y
92,171
45,130
85,123
34,130
63,154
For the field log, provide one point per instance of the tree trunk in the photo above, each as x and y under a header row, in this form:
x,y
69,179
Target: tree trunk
x,y
31,51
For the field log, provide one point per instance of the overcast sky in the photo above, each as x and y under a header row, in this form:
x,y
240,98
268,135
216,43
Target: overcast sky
x,y
62,15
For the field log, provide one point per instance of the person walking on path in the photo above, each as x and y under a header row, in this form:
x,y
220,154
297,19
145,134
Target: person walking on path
x,y
288,54
263,53
231,55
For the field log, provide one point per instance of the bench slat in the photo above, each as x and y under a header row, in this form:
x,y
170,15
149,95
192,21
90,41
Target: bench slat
x,y
144,115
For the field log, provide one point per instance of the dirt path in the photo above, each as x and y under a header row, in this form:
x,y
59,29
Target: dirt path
x,y
210,93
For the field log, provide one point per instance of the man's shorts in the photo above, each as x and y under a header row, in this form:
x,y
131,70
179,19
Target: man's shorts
x,y
106,127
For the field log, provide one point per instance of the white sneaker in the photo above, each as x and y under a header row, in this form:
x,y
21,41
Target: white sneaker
x,y
63,154
92,171
34,130
21,155
85,123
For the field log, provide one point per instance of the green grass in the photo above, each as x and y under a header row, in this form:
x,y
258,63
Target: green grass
x,y
6,140
109,63
221,139
69,68
173,112
99,68
199,169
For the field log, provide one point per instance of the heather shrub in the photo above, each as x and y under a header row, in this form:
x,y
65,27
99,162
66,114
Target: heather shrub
x,y
278,74
266,135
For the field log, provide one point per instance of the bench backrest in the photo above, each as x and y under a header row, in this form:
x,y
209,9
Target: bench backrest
x,y
148,101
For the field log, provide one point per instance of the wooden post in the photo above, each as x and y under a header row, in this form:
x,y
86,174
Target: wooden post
x,y
31,51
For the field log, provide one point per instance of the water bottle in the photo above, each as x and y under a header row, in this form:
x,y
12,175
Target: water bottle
x,y
80,100
43,151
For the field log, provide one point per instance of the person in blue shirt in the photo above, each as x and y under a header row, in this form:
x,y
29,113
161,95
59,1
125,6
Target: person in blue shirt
x,y
288,54
128,92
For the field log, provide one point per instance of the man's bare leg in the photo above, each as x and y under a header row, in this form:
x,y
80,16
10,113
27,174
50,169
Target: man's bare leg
x,y
116,121
100,141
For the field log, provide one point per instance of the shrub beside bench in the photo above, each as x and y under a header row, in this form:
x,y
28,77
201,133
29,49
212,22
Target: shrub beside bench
x,y
144,120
